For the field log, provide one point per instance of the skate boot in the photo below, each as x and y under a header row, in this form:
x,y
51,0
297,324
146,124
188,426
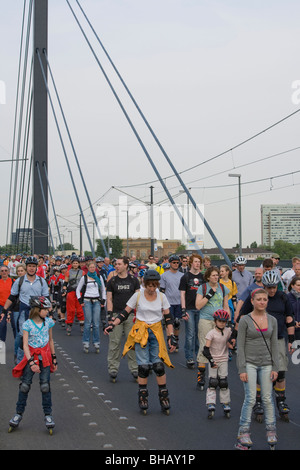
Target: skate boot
x,y
69,330
49,423
283,408
86,349
113,376
211,410
163,395
226,409
201,378
258,410
190,363
271,437
14,422
143,400
243,440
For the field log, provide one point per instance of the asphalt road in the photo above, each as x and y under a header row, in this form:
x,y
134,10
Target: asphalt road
x,y
92,413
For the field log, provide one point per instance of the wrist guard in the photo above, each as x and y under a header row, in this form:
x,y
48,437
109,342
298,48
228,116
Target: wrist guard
x,y
207,354
123,316
210,294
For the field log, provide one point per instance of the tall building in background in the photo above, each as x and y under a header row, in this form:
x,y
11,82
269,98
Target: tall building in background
x,y
280,222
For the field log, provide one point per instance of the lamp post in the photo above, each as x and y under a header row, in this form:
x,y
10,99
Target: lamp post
x,y
234,175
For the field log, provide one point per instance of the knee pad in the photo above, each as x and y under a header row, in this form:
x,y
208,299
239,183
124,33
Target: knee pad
x,y
24,387
223,383
159,369
281,376
176,324
213,382
143,371
45,387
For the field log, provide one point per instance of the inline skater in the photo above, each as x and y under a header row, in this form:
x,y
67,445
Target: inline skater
x,y
119,289
39,358
147,339
257,358
169,285
278,306
216,351
189,284
211,296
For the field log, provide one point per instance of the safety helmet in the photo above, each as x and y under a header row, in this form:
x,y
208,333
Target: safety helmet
x,y
173,258
166,266
99,259
40,302
63,266
143,268
151,275
240,260
270,279
221,315
31,260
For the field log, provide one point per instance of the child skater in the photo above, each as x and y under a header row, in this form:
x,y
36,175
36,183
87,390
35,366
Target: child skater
x,y
216,351
39,357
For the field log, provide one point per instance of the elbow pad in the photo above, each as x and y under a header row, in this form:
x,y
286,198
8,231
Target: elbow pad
x,y
290,323
168,319
12,298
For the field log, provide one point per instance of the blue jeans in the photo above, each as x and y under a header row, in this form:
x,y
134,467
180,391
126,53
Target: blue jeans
x,y
19,318
92,309
27,379
191,345
261,374
148,354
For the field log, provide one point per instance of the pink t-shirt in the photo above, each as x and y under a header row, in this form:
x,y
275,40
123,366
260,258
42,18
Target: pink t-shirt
x,y
218,347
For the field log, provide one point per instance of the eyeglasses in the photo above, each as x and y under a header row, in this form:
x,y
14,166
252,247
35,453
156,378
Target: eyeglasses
x,y
175,262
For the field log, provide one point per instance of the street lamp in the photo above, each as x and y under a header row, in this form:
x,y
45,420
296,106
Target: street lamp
x,y
235,175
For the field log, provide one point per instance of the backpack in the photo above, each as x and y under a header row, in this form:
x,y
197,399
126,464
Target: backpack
x,y
204,289
83,289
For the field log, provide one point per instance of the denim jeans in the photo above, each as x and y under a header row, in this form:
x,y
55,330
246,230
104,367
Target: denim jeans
x,y
92,309
191,345
263,375
148,354
27,379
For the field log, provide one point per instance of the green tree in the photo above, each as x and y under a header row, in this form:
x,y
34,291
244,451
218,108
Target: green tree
x,y
115,245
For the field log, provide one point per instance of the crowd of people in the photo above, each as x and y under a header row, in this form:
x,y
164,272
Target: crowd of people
x,y
222,309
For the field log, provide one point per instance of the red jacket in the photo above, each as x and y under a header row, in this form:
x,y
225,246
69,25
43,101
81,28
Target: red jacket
x,y
35,352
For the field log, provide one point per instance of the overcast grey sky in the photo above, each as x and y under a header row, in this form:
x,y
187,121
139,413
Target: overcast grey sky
x,y
207,75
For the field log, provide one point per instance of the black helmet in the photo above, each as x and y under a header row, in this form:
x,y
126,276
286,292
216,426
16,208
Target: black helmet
x,y
151,275
174,258
31,260
40,302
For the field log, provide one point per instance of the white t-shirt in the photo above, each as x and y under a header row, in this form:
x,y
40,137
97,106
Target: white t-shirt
x,y
149,311
218,347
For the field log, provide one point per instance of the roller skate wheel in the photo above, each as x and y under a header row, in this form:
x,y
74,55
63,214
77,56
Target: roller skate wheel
x,y
227,414
166,412
10,429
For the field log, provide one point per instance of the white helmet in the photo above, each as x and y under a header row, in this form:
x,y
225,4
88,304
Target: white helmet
x,y
240,260
270,279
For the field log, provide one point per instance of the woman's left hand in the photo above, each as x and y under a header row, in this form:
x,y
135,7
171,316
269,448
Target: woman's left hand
x,y
274,376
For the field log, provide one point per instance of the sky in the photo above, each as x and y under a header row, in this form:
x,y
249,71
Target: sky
x,y
211,77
